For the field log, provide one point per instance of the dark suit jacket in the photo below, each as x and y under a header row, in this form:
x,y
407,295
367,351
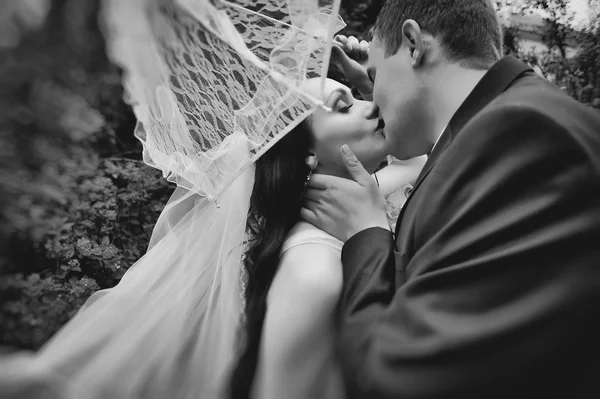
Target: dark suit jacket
x,y
491,287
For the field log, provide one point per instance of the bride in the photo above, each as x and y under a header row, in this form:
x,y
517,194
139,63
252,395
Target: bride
x,y
235,296
292,293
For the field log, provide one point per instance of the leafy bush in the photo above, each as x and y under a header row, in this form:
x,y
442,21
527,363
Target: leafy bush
x,y
578,76
99,223
78,204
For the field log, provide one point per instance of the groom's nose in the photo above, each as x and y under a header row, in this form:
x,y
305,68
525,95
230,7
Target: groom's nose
x,y
372,111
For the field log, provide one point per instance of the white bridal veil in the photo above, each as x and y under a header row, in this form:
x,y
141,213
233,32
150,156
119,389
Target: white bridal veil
x,y
213,84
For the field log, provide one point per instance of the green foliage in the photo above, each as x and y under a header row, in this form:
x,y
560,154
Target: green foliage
x,y
102,215
78,205
558,19
360,16
34,307
578,76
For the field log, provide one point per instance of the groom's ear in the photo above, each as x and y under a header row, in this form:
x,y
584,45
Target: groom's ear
x,y
414,40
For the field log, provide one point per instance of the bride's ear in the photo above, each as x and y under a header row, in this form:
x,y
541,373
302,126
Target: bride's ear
x,y
312,161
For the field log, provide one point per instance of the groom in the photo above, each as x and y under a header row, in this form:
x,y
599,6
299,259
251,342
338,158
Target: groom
x,y
490,285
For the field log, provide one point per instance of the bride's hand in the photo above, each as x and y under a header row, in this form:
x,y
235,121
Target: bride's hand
x,y
349,56
357,51
399,174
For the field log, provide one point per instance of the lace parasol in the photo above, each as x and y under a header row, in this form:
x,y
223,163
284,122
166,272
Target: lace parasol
x,y
207,79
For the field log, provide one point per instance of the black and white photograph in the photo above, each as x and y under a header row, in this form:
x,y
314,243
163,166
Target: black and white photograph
x,y
299,199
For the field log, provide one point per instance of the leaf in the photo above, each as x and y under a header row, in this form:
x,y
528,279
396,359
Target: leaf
x,y
33,279
68,226
84,246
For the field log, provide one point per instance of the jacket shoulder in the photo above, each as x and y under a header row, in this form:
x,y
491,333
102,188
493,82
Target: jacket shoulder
x,y
547,112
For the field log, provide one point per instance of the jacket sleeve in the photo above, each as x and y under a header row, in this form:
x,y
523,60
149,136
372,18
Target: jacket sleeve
x,y
504,280
368,259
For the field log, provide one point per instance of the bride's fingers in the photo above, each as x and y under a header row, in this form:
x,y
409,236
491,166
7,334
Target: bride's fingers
x,y
337,53
341,38
364,50
353,46
342,60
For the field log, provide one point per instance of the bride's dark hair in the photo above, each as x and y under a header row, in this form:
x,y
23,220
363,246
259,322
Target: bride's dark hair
x,y
275,204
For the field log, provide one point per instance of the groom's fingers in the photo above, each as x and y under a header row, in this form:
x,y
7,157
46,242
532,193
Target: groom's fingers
x,y
312,194
319,182
355,168
308,215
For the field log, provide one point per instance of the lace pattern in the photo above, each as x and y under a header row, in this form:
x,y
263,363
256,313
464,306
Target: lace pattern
x,y
202,74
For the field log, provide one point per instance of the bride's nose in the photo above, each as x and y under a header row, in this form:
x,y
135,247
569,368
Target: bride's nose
x,y
372,111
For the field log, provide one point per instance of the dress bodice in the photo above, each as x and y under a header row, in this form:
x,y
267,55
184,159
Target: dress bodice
x,y
305,233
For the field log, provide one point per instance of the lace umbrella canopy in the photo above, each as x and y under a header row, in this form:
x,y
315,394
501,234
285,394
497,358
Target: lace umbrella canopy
x,y
210,78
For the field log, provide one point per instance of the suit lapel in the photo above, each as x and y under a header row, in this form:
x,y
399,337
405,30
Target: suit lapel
x,y
499,78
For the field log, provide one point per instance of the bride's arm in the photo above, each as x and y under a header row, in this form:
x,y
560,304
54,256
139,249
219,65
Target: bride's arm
x,y
398,174
298,331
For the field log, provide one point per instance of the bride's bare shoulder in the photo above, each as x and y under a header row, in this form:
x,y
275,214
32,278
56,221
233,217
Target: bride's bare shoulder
x,y
303,226
311,263
304,233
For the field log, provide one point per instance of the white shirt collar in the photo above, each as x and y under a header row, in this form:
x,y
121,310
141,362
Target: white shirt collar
x,y
438,139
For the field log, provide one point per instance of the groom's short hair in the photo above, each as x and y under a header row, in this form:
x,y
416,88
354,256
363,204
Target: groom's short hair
x,y
468,30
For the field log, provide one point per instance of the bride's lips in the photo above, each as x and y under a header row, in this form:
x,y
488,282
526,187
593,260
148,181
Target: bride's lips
x,y
380,127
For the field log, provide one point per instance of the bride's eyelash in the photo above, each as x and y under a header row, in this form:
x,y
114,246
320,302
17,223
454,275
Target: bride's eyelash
x,y
346,108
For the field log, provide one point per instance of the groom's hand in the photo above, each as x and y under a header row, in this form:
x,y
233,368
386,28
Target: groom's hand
x,y
344,207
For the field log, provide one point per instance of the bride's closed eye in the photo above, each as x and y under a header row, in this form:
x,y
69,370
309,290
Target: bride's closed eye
x,y
344,102
344,107
340,100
